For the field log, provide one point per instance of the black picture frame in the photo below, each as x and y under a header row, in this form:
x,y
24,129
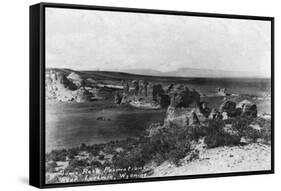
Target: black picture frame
x,y
37,92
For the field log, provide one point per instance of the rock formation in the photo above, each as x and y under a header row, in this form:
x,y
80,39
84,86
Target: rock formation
x,y
229,107
248,108
182,117
67,89
204,109
75,79
181,96
82,95
157,91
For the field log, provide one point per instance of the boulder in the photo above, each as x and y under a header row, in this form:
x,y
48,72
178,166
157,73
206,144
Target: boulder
x,y
248,108
229,107
181,96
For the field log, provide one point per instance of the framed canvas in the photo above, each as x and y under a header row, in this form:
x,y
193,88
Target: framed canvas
x,y
122,95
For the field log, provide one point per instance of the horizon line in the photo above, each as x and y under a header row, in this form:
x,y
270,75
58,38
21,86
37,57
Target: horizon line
x,y
125,72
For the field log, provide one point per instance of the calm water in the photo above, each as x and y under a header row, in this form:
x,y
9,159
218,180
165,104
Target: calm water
x,y
70,124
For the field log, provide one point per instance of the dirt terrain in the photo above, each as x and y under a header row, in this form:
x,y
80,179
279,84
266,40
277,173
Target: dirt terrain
x,y
252,157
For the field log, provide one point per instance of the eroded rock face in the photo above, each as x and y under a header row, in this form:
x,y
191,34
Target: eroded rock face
x,y
181,96
82,95
182,117
58,86
75,79
67,89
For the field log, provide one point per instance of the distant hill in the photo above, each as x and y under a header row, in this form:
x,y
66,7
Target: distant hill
x,y
154,75
193,72
113,75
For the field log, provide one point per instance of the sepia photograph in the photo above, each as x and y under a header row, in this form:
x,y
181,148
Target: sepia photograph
x,y
134,95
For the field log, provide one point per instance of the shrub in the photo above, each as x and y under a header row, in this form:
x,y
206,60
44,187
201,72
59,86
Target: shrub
x,y
72,153
172,144
51,167
242,124
216,135
57,155
95,164
266,128
77,165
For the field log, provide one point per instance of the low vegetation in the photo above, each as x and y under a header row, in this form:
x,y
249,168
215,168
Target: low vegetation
x,y
170,143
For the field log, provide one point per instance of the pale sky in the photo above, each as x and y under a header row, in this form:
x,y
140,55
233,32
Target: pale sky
x,y
91,40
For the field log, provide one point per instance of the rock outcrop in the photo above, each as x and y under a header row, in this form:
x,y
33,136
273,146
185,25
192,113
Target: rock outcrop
x,y
230,108
182,96
248,108
182,117
82,95
68,89
75,79
58,86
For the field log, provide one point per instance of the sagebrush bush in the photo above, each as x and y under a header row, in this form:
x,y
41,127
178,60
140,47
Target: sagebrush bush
x,y
217,136
51,167
243,125
77,165
266,129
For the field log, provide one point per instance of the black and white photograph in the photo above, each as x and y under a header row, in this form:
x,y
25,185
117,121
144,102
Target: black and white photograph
x,y
135,95
140,95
